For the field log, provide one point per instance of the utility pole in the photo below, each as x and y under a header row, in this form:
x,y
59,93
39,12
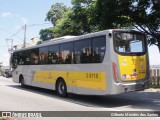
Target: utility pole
x,y
25,29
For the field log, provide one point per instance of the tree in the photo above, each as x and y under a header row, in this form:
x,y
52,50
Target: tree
x,y
95,15
66,26
56,12
145,15
75,21
110,14
142,14
46,34
82,15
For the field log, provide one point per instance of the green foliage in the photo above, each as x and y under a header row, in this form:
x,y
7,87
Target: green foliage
x,y
65,26
46,34
75,21
94,15
83,11
145,14
2,119
110,14
56,12
54,15
141,14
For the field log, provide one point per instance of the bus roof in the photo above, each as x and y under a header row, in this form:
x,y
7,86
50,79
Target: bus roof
x,y
71,38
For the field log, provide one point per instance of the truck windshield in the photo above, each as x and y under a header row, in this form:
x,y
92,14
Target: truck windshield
x,y
126,42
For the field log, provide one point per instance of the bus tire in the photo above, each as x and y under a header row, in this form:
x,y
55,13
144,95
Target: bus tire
x,y
61,88
21,81
7,76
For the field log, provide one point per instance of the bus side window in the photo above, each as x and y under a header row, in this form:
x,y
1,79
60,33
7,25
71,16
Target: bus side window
x,y
82,52
27,57
34,56
53,54
14,60
43,55
77,55
99,47
86,55
66,53
21,58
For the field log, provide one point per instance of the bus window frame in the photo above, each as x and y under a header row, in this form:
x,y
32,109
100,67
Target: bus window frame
x,y
130,53
37,48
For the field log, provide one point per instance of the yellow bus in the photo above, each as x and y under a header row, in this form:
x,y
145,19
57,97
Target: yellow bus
x,y
102,63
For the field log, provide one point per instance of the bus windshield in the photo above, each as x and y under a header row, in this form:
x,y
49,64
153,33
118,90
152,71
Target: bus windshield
x,y
126,42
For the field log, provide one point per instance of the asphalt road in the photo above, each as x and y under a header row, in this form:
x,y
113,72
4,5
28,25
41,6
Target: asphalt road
x,y
15,98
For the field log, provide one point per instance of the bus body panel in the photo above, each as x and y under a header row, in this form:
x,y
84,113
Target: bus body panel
x,y
137,67
75,79
88,79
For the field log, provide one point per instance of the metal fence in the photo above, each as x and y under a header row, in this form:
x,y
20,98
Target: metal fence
x,y
155,77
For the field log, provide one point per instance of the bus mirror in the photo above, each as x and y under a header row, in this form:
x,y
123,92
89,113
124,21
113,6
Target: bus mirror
x,y
110,34
14,66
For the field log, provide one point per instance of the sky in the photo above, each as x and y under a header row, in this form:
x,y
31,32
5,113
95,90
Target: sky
x,y
14,14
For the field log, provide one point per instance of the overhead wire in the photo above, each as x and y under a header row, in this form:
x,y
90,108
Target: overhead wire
x,y
16,33
22,28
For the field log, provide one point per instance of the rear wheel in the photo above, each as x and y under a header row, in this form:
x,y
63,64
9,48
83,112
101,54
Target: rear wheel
x,y
7,76
61,88
21,80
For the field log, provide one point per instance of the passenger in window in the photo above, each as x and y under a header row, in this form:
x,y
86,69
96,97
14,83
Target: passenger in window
x,y
54,58
50,57
68,59
77,57
42,57
83,57
89,55
21,62
15,62
27,60
86,56
96,57
60,58
34,58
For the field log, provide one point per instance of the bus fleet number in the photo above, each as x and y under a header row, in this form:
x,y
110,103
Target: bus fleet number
x,y
92,75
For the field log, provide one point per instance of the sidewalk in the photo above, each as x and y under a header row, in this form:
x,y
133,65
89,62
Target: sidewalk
x,y
152,90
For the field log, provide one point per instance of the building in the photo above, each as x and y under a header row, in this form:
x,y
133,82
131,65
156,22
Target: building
x,y
33,43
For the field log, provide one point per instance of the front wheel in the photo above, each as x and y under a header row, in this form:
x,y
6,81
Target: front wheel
x,y
61,88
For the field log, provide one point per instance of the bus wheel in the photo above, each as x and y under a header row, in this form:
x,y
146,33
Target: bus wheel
x,y
21,80
61,88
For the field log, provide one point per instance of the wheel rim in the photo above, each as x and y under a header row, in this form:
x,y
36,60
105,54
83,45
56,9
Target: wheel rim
x,y
61,88
22,82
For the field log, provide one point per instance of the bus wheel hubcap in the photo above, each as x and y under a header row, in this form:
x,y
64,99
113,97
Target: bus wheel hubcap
x,y
61,88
